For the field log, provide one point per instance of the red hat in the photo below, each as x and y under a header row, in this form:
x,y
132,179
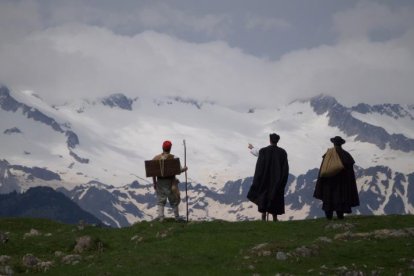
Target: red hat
x,y
166,146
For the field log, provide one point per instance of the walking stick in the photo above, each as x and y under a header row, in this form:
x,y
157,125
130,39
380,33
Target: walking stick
x,y
185,165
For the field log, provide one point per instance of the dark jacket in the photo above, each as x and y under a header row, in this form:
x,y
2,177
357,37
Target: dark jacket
x,y
339,192
269,181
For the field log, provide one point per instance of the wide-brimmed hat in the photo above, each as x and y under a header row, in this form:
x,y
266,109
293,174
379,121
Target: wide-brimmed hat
x,y
338,141
274,138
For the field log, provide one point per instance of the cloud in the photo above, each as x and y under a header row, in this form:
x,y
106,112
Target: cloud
x,y
165,16
17,19
358,71
267,23
367,17
75,60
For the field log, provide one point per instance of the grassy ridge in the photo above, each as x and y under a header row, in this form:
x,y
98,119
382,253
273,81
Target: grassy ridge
x,y
215,248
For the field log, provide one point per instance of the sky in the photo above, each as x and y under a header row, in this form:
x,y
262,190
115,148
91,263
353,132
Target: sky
x,y
245,53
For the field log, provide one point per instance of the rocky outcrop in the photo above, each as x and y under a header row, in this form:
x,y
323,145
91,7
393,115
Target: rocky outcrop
x,y
395,111
118,101
12,130
37,172
341,117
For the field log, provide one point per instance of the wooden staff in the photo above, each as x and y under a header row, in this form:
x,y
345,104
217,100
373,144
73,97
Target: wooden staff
x,y
185,165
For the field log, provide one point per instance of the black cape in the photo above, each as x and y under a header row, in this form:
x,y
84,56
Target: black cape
x,y
339,192
269,181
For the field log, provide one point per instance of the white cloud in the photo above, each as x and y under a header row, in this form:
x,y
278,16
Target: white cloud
x,y
73,60
354,72
79,60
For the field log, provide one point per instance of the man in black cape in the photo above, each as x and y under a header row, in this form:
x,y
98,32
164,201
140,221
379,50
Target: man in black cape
x,y
339,192
270,178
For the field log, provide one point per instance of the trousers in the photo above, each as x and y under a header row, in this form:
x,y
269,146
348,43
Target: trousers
x,y
165,191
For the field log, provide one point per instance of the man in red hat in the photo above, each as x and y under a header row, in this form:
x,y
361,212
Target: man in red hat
x,y
167,187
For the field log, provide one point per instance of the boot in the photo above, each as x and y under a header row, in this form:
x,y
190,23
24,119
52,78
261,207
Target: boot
x,y
329,215
177,214
160,213
340,215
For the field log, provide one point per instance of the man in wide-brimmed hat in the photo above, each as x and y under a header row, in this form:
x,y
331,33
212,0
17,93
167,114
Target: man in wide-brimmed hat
x,y
338,192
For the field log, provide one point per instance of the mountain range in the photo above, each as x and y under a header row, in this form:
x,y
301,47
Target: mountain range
x,y
93,151
44,202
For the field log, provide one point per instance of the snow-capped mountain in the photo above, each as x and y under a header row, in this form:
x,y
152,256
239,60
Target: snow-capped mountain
x,y
78,146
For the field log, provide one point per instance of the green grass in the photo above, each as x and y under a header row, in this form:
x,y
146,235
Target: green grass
x,y
213,248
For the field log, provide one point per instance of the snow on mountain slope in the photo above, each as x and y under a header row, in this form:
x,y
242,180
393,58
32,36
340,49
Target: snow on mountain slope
x,y
90,149
390,124
36,144
214,135
117,134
